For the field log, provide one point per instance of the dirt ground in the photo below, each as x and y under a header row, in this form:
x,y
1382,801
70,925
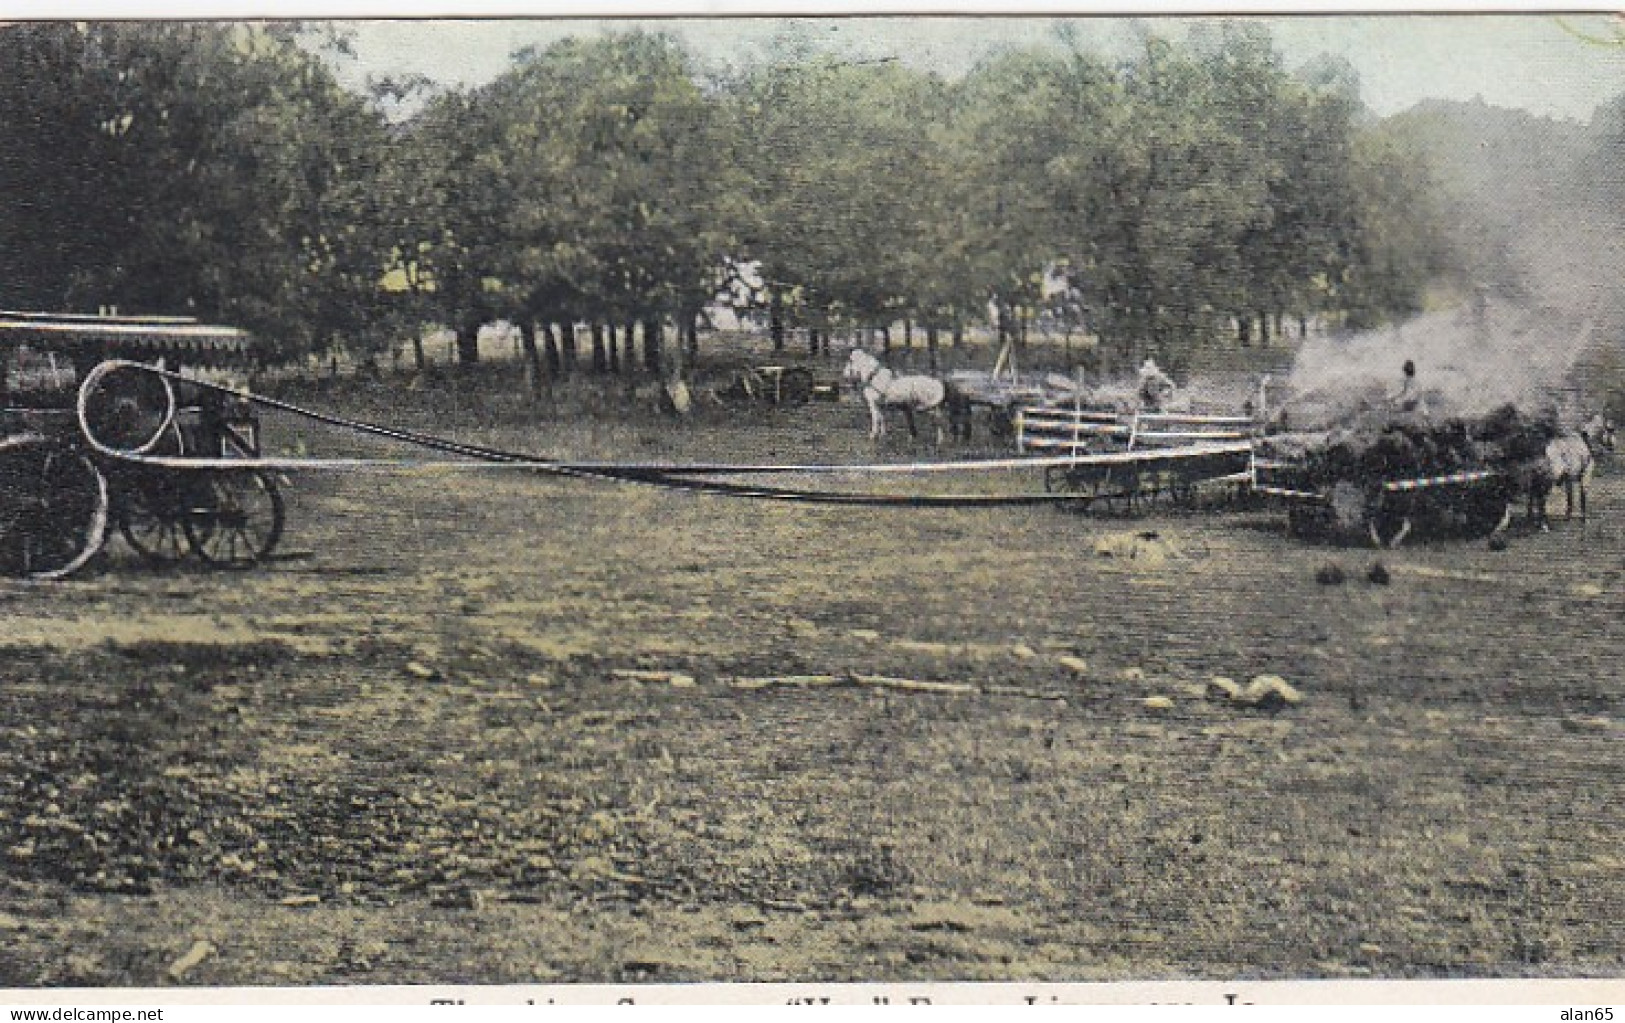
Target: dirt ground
x,y
494,728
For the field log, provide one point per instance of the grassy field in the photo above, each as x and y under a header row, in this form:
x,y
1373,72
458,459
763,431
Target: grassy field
x,y
499,728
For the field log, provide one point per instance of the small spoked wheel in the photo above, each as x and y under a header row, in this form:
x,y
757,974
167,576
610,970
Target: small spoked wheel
x,y
150,505
795,386
152,517
235,518
1058,479
53,508
1001,422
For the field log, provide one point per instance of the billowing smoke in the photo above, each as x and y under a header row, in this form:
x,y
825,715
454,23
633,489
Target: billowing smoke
x,y
1534,213
1469,361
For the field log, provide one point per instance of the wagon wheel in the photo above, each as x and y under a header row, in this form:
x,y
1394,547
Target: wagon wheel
x,y
53,508
795,386
1183,492
151,504
153,511
1058,479
127,408
1389,520
236,518
1486,510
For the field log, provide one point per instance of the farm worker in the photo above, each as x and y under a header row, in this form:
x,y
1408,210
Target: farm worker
x,y
1408,399
1155,387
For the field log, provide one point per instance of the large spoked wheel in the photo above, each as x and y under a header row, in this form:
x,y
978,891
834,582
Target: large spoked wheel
x,y
53,508
126,407
1487,510
236,519
1389,520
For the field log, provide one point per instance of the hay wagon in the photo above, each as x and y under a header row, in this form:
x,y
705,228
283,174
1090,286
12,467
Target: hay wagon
x,y
1464,495
84,433
1122,458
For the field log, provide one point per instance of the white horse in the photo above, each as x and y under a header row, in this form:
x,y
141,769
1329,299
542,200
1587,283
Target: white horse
x,y
885,391
1569,462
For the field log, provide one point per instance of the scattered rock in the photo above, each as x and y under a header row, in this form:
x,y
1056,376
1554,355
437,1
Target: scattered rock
x,y
301,900
1158,703
1588,724
459,898
539,679
1146,548
674,678
1329,574
1023,651
199,951
1269,692
419,670
1222,688
1077,664
1132,674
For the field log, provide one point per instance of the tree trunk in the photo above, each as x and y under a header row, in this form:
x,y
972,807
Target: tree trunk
x,y
600,359
775,319
885,338
532,357
629,347
692,335
812,340
612,345
959,334
1264,329
551,347
1021,326
468,343
652,343
1244,331
419,360
931,345
567,345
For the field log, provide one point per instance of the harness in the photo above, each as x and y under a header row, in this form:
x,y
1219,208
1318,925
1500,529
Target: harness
x,y
869,380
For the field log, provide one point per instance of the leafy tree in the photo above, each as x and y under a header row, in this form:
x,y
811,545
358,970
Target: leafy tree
x,y
185,167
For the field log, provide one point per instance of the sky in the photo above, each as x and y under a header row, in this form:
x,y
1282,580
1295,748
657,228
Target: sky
x,y
1537,62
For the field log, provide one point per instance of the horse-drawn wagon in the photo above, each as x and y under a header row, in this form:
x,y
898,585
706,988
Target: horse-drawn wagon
x,y
85,429
1125,457
1382,477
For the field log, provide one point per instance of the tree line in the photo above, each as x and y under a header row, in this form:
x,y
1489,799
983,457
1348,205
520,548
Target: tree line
x,y
604,190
